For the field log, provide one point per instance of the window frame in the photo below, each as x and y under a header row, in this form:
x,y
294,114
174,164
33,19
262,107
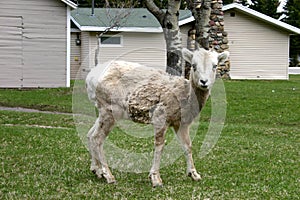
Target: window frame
x,y
111,45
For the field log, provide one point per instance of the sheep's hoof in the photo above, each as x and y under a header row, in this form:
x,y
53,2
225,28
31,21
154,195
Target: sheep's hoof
x,y
110,180
97,171
194,175
156,180
108,176
94,168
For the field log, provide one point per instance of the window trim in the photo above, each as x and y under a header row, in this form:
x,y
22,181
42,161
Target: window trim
x,y
112,45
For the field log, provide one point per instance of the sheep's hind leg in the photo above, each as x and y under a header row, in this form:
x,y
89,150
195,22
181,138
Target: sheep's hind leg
x,y
96,166
159,145
184,138
103,126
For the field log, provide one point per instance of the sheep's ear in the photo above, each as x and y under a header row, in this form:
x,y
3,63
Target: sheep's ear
x,y
187,55
222,57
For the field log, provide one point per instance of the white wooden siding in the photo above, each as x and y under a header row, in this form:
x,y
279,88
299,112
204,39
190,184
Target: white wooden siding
x,y
75,57
44,46
145,48
184,34
85,54
258,50
10,51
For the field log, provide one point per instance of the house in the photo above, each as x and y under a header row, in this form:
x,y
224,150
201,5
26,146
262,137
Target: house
x,y
259,45
35,43
139,38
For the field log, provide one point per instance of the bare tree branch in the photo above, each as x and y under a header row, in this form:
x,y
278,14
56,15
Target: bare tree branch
x,y
116,19
157,12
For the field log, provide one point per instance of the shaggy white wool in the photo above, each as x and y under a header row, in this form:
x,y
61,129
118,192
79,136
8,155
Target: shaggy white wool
x,y
132,91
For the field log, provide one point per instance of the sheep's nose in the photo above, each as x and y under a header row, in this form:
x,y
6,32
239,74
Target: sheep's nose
x,y
203,82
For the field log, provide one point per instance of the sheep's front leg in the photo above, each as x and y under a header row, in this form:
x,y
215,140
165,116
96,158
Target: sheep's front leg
x,y
97,136
159,145
185,140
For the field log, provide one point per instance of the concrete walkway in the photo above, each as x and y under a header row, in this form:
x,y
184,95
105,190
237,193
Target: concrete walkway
x,y
19,109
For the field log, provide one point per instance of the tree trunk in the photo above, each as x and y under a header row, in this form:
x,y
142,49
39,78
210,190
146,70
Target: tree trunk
x,y
201,11
208,31
199,34
169,22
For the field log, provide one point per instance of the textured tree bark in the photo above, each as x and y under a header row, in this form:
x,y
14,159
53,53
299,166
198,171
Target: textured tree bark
x,y
201,11
169,22
208,31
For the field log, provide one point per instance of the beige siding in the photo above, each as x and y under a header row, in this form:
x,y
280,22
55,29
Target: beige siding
x,y
258,50
85,53
184,34
44,43
75,57
10,51
145,48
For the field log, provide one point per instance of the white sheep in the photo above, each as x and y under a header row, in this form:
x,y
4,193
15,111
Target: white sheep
x,y
131,91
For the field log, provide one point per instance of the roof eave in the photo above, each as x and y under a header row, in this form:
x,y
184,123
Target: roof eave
x,y
70,3
119,29
186,21
75,22
122,29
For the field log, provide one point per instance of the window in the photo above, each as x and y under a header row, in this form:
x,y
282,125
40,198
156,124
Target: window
x,y
232,14
111,40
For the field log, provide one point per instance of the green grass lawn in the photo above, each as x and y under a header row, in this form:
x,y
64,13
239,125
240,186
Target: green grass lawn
x,y
42,99
256,157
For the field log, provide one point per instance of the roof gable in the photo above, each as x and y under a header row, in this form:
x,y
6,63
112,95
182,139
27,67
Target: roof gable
x,y
254,14
262,17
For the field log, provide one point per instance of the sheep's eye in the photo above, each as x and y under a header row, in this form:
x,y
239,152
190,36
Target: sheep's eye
x,y
215,66
194,66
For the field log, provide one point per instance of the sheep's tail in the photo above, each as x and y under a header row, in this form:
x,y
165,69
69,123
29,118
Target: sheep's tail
x,y
92,80
91,84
